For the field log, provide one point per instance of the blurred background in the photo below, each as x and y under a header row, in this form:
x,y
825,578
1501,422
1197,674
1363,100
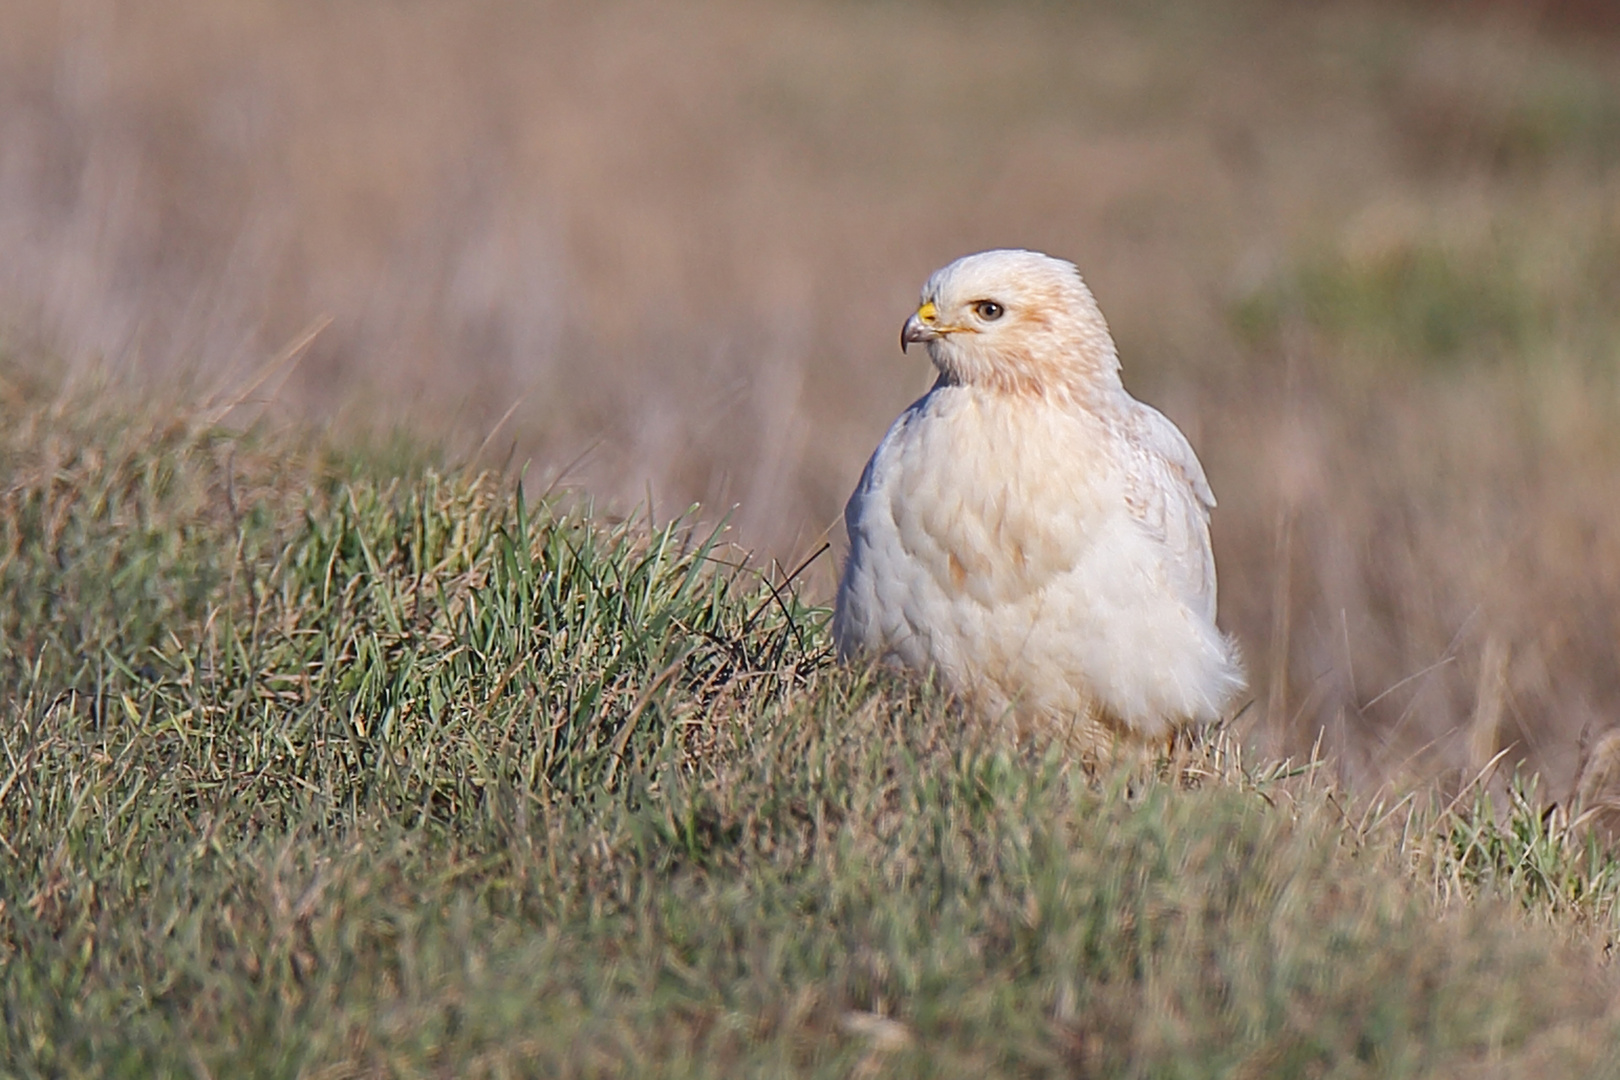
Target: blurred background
x,y
1367,255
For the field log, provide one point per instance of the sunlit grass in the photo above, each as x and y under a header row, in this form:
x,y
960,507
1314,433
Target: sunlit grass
x,y
315,769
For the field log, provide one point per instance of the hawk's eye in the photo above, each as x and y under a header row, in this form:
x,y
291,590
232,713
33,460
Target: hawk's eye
x,y
989,310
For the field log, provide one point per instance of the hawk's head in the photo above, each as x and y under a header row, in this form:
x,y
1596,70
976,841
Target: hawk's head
x,y
1017,321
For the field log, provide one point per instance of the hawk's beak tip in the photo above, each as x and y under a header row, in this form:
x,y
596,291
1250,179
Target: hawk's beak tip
x,y
915,330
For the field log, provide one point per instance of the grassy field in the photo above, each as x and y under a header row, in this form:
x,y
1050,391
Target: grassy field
x,y
335,740
1364,253
319,761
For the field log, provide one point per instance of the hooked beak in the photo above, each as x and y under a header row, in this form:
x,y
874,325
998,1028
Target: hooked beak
x,y
921,326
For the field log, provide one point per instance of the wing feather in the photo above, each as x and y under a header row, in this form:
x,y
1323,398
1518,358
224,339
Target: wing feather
x,y
1170,497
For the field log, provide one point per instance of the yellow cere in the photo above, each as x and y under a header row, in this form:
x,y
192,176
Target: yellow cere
x,y
928,313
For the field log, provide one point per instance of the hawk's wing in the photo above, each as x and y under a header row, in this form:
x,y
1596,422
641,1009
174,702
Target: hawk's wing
x,y
1169,496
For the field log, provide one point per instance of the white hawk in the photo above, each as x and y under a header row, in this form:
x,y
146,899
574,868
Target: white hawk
x,y
1028,529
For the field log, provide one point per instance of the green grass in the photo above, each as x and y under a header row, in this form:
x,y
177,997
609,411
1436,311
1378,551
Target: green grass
x,y
313,770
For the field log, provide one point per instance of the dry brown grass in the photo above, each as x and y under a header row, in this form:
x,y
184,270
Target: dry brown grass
x,y
1366,256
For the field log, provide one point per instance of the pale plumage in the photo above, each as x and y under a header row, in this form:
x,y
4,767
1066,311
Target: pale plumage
x,y
1030,530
